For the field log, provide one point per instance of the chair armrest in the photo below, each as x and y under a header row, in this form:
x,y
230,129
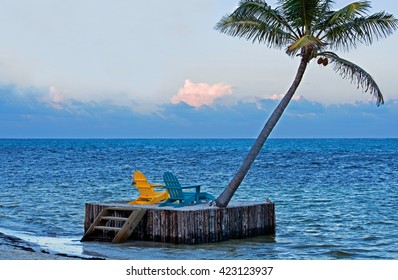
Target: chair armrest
x,y
157,186
191,187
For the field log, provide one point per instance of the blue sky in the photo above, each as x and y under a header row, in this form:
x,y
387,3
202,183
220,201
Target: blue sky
x,y
147,69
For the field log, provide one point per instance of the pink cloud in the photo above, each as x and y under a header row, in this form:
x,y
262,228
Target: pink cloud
x,y
56,98
198,95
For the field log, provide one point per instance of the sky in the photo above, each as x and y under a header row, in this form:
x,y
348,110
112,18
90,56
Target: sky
x,y
159,69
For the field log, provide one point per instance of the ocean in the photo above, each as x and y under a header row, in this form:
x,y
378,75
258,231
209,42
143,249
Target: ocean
x,y
334,198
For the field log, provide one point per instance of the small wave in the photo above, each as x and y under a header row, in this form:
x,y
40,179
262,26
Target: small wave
x,y
11,206
354,166
340,254
370,238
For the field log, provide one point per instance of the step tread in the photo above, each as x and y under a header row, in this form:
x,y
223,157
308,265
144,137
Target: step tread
x,y
107,228
114,218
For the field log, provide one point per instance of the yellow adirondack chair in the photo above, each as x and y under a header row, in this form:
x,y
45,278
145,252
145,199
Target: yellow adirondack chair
x,y
148,195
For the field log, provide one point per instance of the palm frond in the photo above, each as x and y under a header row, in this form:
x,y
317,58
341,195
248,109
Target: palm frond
x,y
302,14
255,20
349,12
253,30
361,30
357,75
305,42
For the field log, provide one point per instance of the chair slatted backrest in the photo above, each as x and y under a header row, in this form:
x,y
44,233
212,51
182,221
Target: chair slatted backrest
x,y
142,184
173,186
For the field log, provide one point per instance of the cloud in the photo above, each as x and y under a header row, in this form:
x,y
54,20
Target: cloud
x,y
201,94
55,98
280,96
25,113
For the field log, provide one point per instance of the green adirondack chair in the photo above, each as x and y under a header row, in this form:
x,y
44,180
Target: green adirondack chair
x,y
178,197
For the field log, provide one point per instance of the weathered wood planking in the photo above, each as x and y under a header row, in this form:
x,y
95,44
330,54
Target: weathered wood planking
x,y
194,224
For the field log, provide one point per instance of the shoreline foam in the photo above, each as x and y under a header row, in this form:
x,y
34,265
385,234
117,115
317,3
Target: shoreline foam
x,y
14,248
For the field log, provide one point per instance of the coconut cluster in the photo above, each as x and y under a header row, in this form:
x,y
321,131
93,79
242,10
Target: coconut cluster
x,y
323,60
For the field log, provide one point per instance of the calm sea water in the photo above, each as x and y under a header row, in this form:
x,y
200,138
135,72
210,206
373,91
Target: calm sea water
x,y
335,198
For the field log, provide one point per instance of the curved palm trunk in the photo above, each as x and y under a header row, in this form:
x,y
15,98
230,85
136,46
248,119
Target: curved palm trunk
x,y
226,195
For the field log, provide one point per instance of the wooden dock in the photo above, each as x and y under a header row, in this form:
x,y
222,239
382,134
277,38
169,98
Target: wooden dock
x,y
186,225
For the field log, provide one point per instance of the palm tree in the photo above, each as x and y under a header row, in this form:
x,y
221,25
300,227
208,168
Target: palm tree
x,y
308,29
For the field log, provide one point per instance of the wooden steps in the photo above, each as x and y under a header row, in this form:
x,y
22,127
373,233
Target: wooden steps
x,y
116,222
